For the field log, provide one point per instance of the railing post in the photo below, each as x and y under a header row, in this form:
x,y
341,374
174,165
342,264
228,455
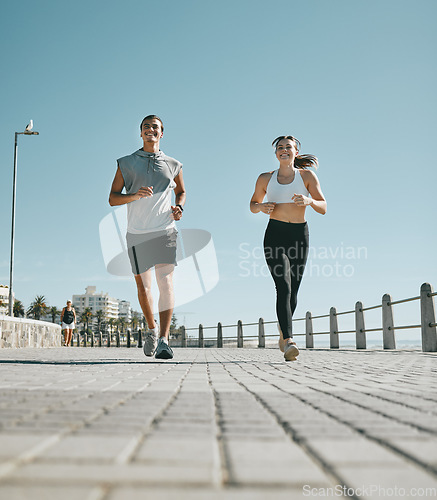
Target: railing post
x,y
219,335
388,332
183,337
84,338
92,339
333,329
108,339
427,313
261,333
309,337
140,338
239,334
360,329
128,338
200,335
117,339
100,339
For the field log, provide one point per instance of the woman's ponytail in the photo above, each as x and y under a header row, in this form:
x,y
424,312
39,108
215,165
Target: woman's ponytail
x,y
306,161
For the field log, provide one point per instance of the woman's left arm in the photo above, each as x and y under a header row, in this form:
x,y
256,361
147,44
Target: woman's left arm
x,y
317,200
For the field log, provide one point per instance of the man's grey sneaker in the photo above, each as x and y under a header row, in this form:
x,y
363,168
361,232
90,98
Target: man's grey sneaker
x,y
291,352
151,341
163,351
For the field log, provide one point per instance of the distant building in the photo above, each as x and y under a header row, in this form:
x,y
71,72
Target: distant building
x,y
140,318
96,302
4,299
124,310
112,308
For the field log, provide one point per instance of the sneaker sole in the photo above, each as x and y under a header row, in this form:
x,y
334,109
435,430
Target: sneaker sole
x,y
291,353
149,353
164,355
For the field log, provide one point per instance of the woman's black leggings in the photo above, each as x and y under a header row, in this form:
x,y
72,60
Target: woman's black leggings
x,y
286,252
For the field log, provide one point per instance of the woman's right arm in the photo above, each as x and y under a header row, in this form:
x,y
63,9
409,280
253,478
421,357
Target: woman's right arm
x,y
117,198
256,203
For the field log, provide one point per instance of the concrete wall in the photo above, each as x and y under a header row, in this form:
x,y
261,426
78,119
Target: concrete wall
x,y
19,332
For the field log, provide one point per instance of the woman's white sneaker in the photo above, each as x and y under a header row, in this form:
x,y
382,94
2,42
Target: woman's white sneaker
x,y
291,352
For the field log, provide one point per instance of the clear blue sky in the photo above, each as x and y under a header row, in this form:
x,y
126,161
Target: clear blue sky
x,y
354,81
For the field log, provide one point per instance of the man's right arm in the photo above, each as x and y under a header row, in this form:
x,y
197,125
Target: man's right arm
x,y
117,198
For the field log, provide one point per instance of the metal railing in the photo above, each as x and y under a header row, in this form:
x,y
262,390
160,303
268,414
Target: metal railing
x,y
427,325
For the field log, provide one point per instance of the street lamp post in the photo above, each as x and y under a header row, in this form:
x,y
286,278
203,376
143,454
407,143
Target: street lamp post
x,y
28,131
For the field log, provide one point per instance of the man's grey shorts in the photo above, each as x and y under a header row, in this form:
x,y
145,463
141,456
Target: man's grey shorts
x,y
147,250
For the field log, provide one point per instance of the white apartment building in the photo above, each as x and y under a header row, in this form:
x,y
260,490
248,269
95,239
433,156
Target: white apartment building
x,y
96,302
112,308
4,299
124,310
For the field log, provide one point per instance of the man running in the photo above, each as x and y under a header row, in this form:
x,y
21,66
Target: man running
x,y
149,177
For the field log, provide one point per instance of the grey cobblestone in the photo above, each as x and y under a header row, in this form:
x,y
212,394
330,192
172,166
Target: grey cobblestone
x,y
106,424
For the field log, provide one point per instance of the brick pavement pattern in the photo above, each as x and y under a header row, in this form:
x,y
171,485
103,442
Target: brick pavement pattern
x,y
110,424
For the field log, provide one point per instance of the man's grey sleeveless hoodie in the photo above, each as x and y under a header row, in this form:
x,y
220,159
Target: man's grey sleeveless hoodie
x,y
141,169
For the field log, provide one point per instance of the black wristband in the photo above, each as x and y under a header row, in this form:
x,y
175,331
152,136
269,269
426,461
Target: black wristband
x,y
180,206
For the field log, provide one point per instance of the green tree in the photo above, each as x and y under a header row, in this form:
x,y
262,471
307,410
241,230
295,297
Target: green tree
x,y
134,322
174,330
38,307
18,309
85,318
100,317
111,323
54,311
121,322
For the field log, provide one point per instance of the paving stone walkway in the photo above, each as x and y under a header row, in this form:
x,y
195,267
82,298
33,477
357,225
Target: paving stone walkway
x,y
110,424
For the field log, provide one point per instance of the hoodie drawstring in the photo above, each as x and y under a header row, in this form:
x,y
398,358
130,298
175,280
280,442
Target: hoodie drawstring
x,y
153,156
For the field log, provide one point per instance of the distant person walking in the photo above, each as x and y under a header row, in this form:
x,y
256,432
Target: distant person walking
x,y
68,320
149,177
290,190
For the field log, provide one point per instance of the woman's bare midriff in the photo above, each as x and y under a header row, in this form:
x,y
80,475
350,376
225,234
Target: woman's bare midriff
x,y
288,212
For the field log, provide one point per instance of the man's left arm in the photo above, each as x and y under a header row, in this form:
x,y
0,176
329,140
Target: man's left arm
x,y
180,196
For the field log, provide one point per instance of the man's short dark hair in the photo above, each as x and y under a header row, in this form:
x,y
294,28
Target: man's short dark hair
x,y
151,117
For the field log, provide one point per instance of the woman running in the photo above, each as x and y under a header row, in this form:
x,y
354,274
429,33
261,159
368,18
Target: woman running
x,y
289,190
68,319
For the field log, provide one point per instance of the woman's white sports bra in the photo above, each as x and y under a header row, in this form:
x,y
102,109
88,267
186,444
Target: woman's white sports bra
x,y
282,193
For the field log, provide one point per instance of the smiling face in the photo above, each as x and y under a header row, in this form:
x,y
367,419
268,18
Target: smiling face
x,y
286,151
151,131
